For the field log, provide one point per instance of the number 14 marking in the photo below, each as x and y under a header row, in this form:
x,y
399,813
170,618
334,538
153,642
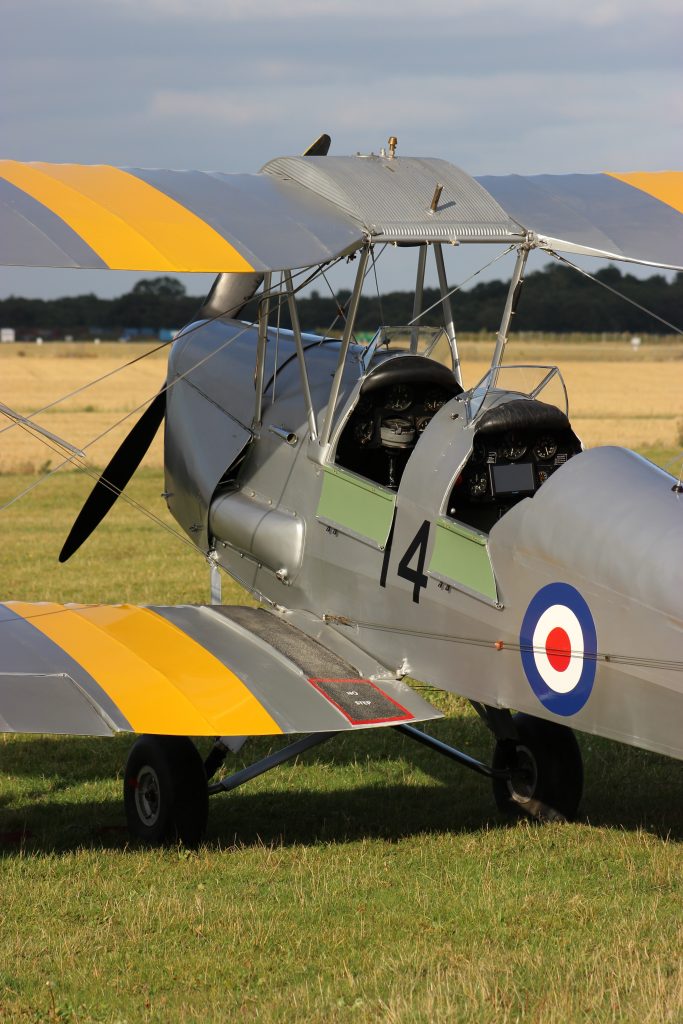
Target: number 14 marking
x,y
415,575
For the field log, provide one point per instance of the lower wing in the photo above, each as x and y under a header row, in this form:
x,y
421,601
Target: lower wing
x,y
187,670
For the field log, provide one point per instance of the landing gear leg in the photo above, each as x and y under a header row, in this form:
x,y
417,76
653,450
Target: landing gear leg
x,y
165,793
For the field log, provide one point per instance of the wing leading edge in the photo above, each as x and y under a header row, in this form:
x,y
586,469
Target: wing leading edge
x,y
185,670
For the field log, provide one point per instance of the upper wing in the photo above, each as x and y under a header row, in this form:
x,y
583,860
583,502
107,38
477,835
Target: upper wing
x,y
186,670
303,211
101,217
635,217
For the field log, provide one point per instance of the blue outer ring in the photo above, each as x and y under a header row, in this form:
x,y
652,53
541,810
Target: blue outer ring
x,y
560,703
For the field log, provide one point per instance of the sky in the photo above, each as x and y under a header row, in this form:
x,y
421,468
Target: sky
x,y
496,86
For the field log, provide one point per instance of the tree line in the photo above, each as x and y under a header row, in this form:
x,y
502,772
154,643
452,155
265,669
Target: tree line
x,y
555,299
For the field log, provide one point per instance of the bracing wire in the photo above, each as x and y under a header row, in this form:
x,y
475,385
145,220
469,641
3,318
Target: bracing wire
x,y
341,309
71,460
460,287
614,291
91,383
499,645
186,332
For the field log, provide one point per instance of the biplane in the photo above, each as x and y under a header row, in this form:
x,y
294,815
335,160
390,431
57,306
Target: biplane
x,y
392,523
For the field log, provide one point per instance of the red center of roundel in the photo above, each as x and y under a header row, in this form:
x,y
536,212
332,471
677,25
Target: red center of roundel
x,y
558,649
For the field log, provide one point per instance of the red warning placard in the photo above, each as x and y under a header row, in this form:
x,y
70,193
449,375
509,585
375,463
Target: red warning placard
x,y
361,701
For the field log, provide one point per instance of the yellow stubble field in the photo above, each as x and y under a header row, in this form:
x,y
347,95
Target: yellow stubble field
x,y
616,395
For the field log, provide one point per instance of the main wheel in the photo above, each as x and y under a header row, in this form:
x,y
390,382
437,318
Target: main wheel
x,y
165,793
547,771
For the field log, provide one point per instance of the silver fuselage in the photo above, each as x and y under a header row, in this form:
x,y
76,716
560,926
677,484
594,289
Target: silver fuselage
x,y
316,539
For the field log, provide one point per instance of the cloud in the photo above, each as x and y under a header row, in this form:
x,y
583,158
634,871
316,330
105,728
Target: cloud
x,y
587,12
578,123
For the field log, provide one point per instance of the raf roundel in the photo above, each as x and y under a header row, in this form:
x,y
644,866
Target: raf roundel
x,y
558,643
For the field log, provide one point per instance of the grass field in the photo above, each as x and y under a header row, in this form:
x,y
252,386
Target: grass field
x,y
371,881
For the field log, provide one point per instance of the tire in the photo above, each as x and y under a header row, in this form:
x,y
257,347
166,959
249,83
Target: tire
x,y
547,779
165,793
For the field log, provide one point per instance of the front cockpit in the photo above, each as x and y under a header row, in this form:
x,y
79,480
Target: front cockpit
x,y
395,404
409,376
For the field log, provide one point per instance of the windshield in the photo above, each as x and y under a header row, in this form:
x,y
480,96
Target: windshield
x,y
528,381
431,342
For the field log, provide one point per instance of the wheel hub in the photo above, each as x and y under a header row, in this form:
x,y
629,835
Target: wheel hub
x,y
147,800
524,775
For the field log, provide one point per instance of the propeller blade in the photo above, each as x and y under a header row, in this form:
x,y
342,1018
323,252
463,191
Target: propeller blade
x,y
320,147
125,461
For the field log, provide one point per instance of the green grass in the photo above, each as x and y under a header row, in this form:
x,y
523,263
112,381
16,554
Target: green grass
x,y
371,881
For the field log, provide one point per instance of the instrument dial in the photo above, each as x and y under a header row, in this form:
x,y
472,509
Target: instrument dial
x,y
421,422
545,448
433,401
478,484
513,447
400,397
363,431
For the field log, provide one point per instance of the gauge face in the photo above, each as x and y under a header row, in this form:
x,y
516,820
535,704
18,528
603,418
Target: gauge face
x,y
400,397
421,422
433,401
478,484
363,431
545,448
513,447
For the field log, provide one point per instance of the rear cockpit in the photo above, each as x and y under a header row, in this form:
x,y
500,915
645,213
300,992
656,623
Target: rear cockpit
x,y
516,447
518,442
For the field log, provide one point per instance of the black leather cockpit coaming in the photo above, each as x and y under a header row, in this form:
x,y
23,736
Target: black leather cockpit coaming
x,y
411,369
522,414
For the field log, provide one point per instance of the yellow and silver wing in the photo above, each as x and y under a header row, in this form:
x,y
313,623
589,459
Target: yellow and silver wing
x,y
304,211
636,217
103,217
187,670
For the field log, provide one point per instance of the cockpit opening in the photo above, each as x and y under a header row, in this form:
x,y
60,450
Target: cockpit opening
x,y
396,402
517,445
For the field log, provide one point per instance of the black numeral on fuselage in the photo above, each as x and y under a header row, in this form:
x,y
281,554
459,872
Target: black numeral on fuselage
x,y
417,549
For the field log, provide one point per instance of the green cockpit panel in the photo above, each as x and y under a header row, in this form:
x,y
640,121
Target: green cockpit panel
x,y
461,557
356,506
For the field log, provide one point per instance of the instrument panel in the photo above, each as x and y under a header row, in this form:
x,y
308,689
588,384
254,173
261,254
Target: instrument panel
x,y
505,467
385,426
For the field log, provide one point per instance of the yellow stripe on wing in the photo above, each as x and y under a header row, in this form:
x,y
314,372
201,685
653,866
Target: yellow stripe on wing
x,y
158,677
130,224
667,186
